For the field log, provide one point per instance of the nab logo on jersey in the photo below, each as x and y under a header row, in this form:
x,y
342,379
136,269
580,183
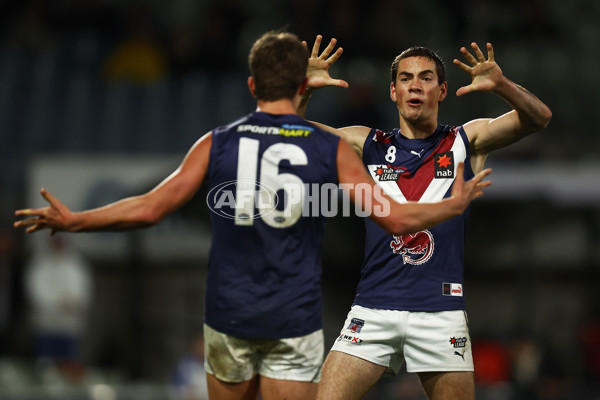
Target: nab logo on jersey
x,y
416,248
444,165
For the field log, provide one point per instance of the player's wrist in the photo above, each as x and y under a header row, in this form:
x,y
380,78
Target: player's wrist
x,y
457,205
73,222
503,87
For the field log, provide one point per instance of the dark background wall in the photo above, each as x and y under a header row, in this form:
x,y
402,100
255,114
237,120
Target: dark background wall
x,y
127,79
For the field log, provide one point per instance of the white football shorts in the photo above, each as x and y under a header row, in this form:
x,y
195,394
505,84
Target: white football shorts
x,y
427,341
233,360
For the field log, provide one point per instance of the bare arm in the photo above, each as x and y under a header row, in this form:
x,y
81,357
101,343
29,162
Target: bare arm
x,y
355,136
409,217
129,213
529,113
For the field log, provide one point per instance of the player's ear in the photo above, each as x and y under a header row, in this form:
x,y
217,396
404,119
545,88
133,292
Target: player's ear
x,y
443,91
252,86
302,87
393,92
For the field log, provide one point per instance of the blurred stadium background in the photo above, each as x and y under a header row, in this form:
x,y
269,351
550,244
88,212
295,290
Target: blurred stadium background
x,y
100,99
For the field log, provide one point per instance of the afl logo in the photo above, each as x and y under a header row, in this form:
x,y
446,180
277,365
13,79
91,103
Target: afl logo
x,y
245,200
416,248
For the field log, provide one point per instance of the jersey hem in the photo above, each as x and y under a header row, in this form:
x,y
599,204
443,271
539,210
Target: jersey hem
x,y
283,335
412,309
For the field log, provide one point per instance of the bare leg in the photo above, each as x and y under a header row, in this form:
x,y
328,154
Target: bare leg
x,y
277,389
347,377
448,385
219,390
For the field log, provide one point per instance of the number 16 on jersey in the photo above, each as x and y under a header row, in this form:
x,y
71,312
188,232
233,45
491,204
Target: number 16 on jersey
x,y
263,193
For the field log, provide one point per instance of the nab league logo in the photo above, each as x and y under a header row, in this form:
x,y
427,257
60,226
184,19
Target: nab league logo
x,y
416,248
385,174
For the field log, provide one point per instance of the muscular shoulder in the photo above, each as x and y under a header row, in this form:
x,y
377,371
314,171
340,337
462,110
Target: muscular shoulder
x,y
476,128
477,132
355,136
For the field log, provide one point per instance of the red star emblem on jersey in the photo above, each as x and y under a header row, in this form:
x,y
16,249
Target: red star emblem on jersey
x,y
379,171
444,161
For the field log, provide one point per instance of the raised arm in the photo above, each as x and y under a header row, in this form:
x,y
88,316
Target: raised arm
x,y
400,219
129,213
317,76
529,113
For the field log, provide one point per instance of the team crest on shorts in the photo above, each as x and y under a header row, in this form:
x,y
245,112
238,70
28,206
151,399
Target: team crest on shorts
x,y
356,325
458,342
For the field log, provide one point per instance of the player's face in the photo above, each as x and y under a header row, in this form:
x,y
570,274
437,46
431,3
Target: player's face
x,y
417,91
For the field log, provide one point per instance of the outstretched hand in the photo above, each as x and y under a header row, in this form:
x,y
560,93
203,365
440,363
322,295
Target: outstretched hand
x,y
54,217
486,75
319,64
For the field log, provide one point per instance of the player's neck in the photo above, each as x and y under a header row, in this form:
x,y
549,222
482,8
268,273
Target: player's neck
x,y
282,106
418,130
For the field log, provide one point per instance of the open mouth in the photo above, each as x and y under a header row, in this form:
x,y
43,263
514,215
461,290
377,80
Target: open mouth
x,y
415,102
